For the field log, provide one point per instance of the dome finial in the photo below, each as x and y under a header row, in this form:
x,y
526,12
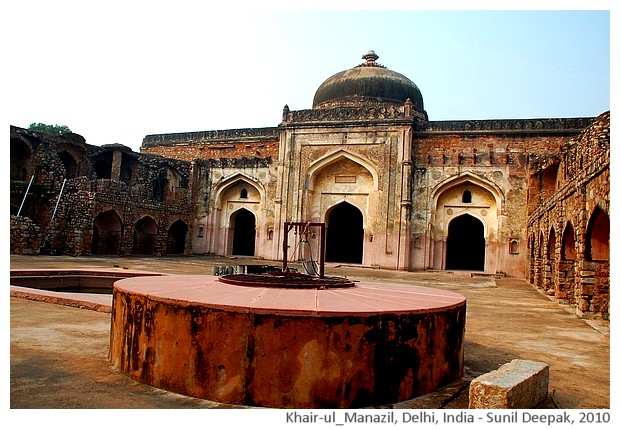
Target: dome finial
x,y
370,57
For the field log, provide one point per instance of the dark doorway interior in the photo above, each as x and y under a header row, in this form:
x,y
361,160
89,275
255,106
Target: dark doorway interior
x,y
345,234
176,237
465,244
144,236
107,232
244,234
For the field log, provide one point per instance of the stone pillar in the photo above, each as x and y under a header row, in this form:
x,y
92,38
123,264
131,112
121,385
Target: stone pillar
x,y
116,165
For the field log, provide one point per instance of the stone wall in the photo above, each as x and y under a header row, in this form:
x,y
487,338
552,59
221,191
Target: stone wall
x,y
569,214
232,144
489,158
25,236
135,186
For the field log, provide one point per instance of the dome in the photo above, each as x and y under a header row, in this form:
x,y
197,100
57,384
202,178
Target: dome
x,y
368,82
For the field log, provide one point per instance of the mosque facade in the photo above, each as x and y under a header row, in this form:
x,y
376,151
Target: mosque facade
x,y
527,198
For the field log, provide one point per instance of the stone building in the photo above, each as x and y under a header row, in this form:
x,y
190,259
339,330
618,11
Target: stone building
x,y
394,189
80,199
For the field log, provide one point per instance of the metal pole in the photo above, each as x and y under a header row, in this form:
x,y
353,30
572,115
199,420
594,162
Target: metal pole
x,y
322,251
24,200
58,201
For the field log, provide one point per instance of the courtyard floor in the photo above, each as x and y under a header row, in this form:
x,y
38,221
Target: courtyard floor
x,y
59,354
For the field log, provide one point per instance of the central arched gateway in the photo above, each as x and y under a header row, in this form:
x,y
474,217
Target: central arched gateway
x,y
244,233
465,244
345,234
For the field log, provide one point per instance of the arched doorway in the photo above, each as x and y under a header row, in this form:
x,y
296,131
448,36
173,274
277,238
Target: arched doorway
x,y
107,232
568,255
70,164
597,236
244,232
466,246
345,234
176,237
21,157
144,236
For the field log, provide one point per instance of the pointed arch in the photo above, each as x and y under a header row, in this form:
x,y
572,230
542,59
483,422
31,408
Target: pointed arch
x,y
177,237
107,233
21,153
465,244
334,157
345,233
551,245
226,183
70,164
243,224
569,252
465,178
597,236
144,236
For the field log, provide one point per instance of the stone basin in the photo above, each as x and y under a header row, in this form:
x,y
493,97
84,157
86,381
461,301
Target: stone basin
x,y
366,345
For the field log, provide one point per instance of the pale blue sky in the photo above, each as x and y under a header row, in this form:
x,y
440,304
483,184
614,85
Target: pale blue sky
x,y
118,72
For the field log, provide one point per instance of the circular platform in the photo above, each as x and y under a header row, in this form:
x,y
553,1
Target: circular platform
x,y
370,344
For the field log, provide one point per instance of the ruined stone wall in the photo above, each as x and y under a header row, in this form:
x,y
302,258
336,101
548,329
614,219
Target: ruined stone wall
x,y
25,236
72,229
573,186
144,185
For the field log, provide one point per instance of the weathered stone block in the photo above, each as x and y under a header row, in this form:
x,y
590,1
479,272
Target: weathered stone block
x,y
518,384
584,305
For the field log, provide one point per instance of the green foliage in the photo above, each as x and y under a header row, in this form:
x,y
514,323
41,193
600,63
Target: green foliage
x,y
51,129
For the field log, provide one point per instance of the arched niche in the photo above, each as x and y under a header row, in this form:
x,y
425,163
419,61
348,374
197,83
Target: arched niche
x,y
21,160
597,236
107,233
177,237
145,236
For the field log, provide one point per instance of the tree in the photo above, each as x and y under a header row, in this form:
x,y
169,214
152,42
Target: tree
x,y
51,129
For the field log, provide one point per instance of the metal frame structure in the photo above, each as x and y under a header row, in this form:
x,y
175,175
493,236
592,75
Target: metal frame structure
x,y
288,226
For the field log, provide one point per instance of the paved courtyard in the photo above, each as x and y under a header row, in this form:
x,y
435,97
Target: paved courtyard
x,y
59,353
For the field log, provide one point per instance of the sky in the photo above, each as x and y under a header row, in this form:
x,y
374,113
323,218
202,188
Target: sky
x,y
115,72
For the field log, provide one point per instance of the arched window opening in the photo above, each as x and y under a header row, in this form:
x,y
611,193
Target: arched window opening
x,y
243,194
539,248
129,167
549,180
466,197
68,161
597,236
568,244
103,169
21,156
551,245
514,247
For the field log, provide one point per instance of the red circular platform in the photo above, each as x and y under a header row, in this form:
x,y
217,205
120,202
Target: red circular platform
x,y
370,344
